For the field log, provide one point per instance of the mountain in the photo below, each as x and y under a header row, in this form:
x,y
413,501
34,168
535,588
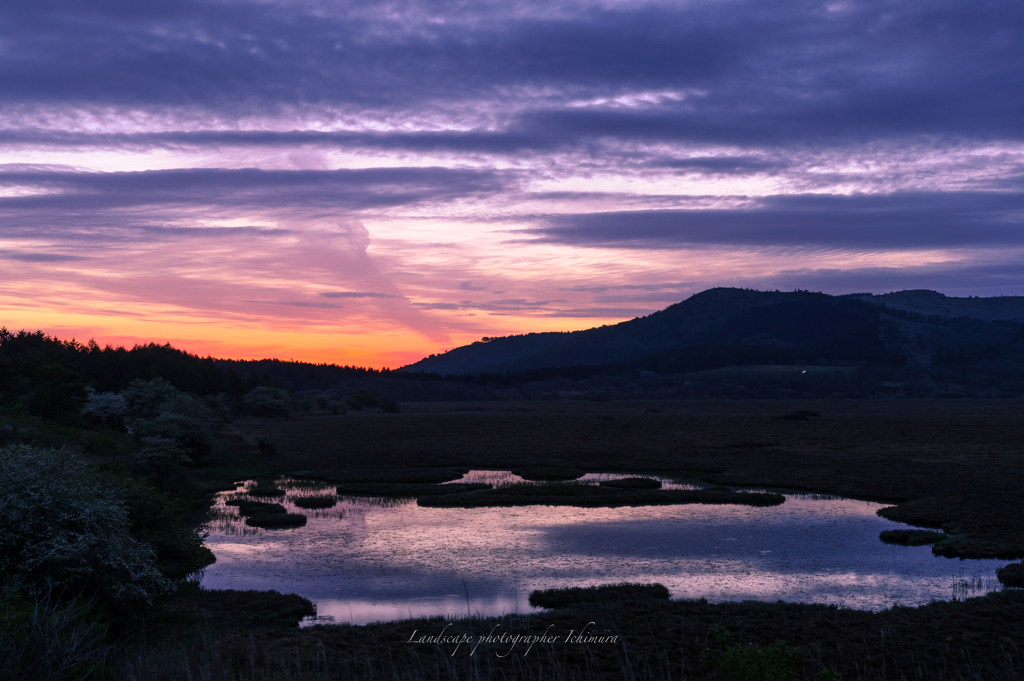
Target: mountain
x,y
923,301
728,326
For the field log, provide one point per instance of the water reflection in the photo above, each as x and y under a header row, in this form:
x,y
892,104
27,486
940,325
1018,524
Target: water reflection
x,y
371,559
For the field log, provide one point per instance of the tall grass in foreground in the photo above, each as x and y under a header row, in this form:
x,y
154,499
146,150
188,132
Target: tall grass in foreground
x,y
46,638
375,653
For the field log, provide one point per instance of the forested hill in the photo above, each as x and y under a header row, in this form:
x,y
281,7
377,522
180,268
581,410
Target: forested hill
x,y
753,325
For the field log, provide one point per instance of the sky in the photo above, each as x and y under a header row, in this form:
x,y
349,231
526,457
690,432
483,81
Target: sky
x,y
369,183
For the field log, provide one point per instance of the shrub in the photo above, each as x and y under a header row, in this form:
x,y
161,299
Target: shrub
x,y
64,528
270,402
108,409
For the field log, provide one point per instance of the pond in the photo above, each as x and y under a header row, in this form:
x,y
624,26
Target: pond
x,y
368,560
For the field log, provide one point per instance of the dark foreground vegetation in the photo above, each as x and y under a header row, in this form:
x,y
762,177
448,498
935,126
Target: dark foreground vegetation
x,y
644,638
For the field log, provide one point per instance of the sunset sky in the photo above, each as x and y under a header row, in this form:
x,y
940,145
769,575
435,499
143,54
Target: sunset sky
x,y
368,183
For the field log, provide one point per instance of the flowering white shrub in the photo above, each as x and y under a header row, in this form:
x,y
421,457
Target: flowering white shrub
x,y
64,528
107,408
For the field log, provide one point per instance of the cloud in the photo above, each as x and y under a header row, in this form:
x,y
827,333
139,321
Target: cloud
x,y
522,76
864,221
40,257
356,294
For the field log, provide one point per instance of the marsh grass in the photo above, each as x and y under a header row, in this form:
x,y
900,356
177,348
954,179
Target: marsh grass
x,y
49,638
263,488
548,473
561,598
247,507
632,483
276,520
319,501
385,475
593,496
384,489
1011,575
912,537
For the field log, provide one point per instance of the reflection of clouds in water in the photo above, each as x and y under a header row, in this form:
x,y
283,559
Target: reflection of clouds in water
x,y
392,558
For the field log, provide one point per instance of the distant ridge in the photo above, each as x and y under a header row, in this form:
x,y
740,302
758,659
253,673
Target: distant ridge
x,y
926,302
859,328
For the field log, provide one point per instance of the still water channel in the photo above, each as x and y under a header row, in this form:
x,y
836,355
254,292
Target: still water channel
x,y
368,560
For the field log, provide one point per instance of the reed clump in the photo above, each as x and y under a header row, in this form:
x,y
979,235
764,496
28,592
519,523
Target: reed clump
x,y
250,507
385,489
632,483
265,489
315,501
386,475
276,520
1011,575
562,598
548,473
912,537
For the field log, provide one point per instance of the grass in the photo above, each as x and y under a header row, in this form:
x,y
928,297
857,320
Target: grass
x,y
590,496
911,537
632,483
276,520
562,598
548,473
1011,575
317,501
249,507
263,488
383,489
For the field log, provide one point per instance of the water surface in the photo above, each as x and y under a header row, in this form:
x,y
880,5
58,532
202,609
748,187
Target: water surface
x,y
370,560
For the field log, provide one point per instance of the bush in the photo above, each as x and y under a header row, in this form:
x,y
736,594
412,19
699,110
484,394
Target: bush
x,y
269,402
63,528
108,409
